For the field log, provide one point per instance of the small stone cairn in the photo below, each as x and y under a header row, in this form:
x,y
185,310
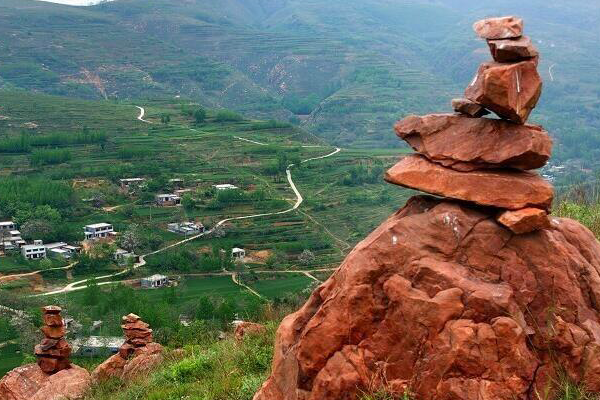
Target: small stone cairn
x,y
54,351
137,334
487,161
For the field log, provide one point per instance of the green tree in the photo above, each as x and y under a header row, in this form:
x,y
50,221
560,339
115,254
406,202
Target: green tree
x,y
200,115
91,294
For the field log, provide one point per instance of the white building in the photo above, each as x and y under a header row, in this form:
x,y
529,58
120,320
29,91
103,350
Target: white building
x,y
12,239
226,186
34,251
122,256
98,231
131,183
170,199
154,281
95,346
61,250
7,226
238,254
186,228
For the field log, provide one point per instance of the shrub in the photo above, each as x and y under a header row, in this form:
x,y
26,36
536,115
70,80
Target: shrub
x,y
228,116
49,157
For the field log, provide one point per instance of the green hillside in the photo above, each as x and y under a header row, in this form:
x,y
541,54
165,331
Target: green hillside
x,y
344,70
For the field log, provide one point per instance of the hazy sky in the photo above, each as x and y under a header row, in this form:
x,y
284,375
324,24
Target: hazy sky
x,y
74,2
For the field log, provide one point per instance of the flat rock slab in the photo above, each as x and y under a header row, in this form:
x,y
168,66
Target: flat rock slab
x,y
510,90
512,50
524,221
512,190
499,28
469,108
467,144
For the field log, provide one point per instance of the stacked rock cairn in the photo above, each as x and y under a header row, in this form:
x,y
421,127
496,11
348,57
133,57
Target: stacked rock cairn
x,y
137,334
54,351
487,161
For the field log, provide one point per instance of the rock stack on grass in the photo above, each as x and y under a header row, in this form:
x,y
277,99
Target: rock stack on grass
x,y
442,301
53,376
53,352
137,355
482,160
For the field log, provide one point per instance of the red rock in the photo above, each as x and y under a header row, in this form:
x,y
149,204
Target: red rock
x,y
244,329
53,348
499,28
53,320
507,189
512,50
443,299
126,350
51,310
54,332
138,334
130,318
52,365
144,359
467,144
136,325
526,220
510,90
468,108
112,368
29,382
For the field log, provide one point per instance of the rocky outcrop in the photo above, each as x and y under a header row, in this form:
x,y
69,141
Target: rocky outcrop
x,y
29,382
443,301
138,355
478,294
467,144
53,377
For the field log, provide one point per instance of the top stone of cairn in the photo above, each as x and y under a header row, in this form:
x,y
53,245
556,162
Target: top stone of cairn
x,y
499,28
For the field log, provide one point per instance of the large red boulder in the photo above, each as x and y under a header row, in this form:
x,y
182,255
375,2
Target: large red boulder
x,y
499,28
244,329
509,189
510,90
466,144
29,382
447,303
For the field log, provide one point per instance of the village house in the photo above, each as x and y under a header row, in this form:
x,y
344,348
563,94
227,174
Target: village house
x,y
238,254
165,200
11,240
61,250
186,228
122,256
7,226
34,251
98,231
154,282
96,346
225,186
131,183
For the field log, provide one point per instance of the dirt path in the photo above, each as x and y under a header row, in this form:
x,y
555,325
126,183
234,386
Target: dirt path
x,y
6,278
80,285
141,116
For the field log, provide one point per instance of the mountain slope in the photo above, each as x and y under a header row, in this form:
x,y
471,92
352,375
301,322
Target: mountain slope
x,y
344,69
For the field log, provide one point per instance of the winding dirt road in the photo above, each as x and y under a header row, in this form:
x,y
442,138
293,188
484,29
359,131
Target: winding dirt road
x,y
80,285
141,116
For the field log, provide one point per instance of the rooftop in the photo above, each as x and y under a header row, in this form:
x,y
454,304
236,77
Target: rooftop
x,y
156,277
99,341
100,225
6,223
